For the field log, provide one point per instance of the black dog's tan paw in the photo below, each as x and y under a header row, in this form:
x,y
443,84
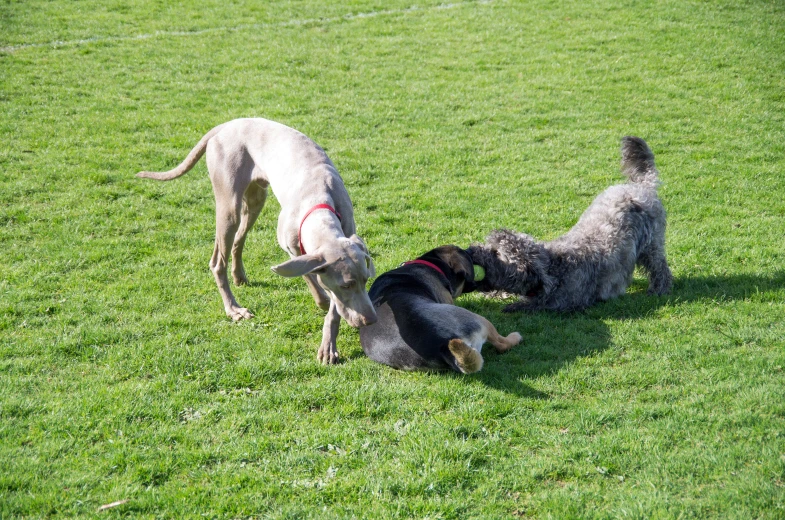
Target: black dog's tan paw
x,y
506,343
467,359
514,338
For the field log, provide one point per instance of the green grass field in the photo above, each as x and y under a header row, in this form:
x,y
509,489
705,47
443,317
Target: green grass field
x,y
121,379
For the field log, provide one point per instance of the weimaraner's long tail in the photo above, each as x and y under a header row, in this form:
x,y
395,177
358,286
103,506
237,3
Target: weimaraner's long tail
x,y
187,164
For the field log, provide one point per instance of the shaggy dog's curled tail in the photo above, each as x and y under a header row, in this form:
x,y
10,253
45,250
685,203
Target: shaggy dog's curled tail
x,y
637,161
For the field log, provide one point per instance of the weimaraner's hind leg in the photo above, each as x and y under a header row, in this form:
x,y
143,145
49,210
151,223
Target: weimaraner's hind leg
x,y
228,207
253,202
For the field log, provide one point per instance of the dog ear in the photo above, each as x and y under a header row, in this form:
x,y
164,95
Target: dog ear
x,y
460,262
539,269
300,265
467,265
359,242
548,283
487,259
371,267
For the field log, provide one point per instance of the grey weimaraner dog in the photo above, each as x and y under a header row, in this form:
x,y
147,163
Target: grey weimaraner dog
x,y
245,156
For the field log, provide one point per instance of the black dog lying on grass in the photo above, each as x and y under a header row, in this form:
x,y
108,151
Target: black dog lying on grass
x,y
594,261
418,326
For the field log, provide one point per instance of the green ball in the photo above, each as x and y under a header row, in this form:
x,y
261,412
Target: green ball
x,y
479,272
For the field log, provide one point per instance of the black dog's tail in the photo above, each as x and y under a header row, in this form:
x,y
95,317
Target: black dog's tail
x,y
637,161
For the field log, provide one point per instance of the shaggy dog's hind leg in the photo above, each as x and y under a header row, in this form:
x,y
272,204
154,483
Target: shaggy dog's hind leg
x,y
652,259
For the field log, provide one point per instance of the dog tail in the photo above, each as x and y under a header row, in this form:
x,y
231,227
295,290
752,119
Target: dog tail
x,y
467,359
188,163
637,161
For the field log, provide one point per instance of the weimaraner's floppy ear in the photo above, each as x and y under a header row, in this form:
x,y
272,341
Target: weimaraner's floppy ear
x,y
371,267
358,241
300,265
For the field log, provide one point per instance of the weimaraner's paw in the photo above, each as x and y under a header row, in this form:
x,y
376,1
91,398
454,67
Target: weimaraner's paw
x,y
328,355
239,313
240,279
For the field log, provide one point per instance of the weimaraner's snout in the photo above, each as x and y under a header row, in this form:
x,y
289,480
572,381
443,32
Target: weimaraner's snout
x,y
359,315
368,319
364,321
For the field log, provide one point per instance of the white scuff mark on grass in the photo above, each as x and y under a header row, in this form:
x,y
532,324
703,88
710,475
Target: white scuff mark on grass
x,y
112,505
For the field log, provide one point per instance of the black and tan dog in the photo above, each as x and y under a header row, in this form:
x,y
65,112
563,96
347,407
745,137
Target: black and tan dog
x,y
418,326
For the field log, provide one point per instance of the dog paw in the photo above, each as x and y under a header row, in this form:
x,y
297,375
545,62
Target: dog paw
x,y
517,307
506,343
328,355
240,279
659,291
239,313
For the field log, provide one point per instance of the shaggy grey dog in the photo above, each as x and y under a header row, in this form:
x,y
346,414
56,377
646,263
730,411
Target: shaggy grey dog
x,y
594,261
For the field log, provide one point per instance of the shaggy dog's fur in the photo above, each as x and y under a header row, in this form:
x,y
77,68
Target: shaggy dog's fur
x,y
594,261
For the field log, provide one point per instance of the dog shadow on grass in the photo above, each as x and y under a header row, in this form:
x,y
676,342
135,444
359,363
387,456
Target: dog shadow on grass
x,y
258,283
552,340
690,289
726,288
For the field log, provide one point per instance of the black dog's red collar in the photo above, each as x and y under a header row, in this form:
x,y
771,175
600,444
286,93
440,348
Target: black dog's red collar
x,y
425,262
300,231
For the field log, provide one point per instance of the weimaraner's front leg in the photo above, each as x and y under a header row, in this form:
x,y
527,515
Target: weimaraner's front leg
x,y
319,296
328,351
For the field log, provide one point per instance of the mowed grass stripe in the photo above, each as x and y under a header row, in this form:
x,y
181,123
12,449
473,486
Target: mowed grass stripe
x,y
242,27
